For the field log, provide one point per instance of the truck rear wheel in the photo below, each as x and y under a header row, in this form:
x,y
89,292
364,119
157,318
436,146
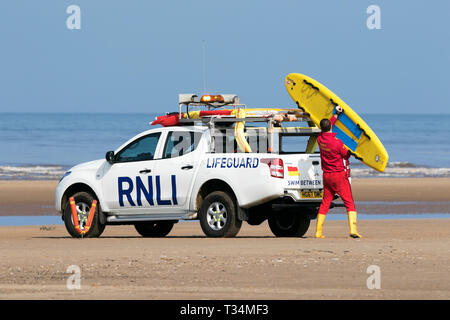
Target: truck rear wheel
x,y
154,229
288,224
218,215
83,202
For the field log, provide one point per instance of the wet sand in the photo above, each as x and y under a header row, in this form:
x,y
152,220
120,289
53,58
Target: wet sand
x,y
37,197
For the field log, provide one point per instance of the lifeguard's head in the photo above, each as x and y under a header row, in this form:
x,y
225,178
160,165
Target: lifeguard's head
x,y
325,125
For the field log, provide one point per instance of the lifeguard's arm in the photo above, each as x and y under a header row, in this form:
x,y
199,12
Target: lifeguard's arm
x,y
333,119
345,154
339,110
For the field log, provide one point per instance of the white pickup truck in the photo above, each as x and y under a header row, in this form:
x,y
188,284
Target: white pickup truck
x,y
184,172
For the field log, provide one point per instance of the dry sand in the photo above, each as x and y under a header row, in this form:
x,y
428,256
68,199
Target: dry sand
x,y
413,255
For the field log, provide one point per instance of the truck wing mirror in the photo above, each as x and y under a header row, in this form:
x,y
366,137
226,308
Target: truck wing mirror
x,y
110,157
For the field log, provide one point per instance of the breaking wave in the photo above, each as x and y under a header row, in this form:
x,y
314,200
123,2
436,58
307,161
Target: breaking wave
x,y
401,165
33,172
358,170
399,171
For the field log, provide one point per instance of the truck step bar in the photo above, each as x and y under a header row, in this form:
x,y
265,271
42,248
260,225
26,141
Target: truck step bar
x,y
130,219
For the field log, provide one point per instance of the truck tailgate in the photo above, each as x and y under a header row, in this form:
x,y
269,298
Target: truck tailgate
x,y
303,176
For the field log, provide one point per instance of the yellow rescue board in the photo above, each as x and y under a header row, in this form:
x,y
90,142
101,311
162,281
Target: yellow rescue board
x,y
317,100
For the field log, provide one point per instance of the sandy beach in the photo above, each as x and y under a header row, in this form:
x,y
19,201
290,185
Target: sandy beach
x,y
412,255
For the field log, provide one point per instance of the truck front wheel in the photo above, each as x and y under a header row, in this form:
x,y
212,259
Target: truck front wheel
x,y
83,202
218,215
288,224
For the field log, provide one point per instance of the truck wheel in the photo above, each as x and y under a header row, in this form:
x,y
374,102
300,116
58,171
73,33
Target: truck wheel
x,y
83,202
154,229
288,224
218,216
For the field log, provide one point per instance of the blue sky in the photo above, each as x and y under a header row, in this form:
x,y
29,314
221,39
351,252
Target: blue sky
x,y
136,56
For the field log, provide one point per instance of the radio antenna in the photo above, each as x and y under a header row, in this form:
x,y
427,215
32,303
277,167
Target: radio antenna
x,y
204,66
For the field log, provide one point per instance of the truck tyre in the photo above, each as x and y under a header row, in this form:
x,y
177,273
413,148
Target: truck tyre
x,y
83,202
154,229
218,216
288,224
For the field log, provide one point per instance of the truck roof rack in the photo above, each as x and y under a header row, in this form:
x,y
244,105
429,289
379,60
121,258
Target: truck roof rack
x,y
218,116
222,111
229,101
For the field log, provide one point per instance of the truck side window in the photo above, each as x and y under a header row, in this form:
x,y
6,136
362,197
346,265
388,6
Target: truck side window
x,y
225,141
296,143
141,149
179,143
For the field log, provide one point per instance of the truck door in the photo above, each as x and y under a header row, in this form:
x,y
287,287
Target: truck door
x,y
128,183
178,166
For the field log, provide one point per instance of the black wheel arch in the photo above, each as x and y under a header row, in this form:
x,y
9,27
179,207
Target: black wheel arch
x,y
81,187
211,186
219,185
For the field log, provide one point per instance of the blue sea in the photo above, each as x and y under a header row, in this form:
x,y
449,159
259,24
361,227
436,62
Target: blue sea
x,y
44,146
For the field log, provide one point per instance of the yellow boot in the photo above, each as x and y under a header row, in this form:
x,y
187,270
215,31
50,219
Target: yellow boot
x,y
352,224
319,225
